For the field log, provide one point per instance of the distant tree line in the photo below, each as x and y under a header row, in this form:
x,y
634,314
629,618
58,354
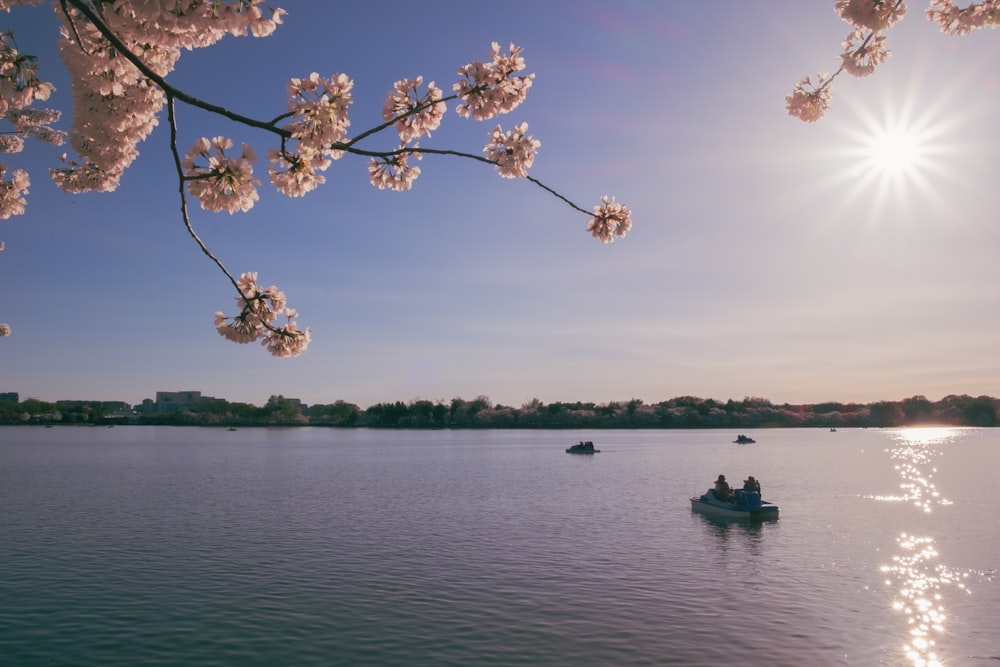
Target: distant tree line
x,y
680,412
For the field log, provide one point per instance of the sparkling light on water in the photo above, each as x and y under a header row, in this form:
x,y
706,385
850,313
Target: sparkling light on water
x,y
915,573
914,450
918,580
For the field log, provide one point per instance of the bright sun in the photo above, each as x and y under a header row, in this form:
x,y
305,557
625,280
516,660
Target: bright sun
x,y
894,150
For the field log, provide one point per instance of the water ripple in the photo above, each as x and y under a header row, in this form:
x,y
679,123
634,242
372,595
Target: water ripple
x,y
384,549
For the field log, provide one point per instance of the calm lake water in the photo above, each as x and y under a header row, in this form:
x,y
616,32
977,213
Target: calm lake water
x,y
191,546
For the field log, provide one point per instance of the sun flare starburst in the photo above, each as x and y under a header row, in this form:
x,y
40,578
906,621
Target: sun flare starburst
x,y
895,150
897,162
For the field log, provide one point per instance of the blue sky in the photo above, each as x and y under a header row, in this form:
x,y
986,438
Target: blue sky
x,y
768,257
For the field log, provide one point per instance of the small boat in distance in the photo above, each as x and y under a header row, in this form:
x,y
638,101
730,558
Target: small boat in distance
x,y
746,505
744,440
584,447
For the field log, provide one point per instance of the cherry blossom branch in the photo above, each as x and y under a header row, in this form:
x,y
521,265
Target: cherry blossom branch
x,y
172,124
864,47
961,21
254,302
271,126
82,7
119,60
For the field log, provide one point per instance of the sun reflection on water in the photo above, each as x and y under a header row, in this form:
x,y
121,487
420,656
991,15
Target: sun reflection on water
x,y
914,450
918,580
915,573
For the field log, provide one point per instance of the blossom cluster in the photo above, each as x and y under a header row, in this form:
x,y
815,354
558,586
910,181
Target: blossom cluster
x,y
394,172
20,87
493,87
414,115
874,15
296,174
512,152
259,308
862,53
610,219
864,48
12,192
221,182
809,102
115,104
954,20
487,89
318,107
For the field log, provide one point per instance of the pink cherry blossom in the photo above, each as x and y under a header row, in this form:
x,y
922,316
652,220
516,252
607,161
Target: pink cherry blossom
x,y
287,341
958,21
264,303
11,143
319,111
83,177
809,103
259,307
295,174
4,329
492,88
861,55
243,329
115,106
24,120
871,15
12,192
223,183
19,88
403,103
513,152
610,219
394,172
19,83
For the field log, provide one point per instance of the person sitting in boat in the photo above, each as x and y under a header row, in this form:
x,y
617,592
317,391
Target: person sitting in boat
x,y
751,484
722,490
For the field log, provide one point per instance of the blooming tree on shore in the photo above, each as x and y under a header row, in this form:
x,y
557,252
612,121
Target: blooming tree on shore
x,y
864,47
119,54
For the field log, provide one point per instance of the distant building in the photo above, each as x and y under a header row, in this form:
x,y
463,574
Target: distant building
x,y
9,397
177,401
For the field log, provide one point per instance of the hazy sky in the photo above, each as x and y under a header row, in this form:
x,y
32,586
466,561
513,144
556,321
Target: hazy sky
x,y
768,257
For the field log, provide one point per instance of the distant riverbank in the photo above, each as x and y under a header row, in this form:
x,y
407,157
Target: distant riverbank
x,y
685,412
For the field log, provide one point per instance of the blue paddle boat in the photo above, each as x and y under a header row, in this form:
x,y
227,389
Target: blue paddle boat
x,y
745,505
